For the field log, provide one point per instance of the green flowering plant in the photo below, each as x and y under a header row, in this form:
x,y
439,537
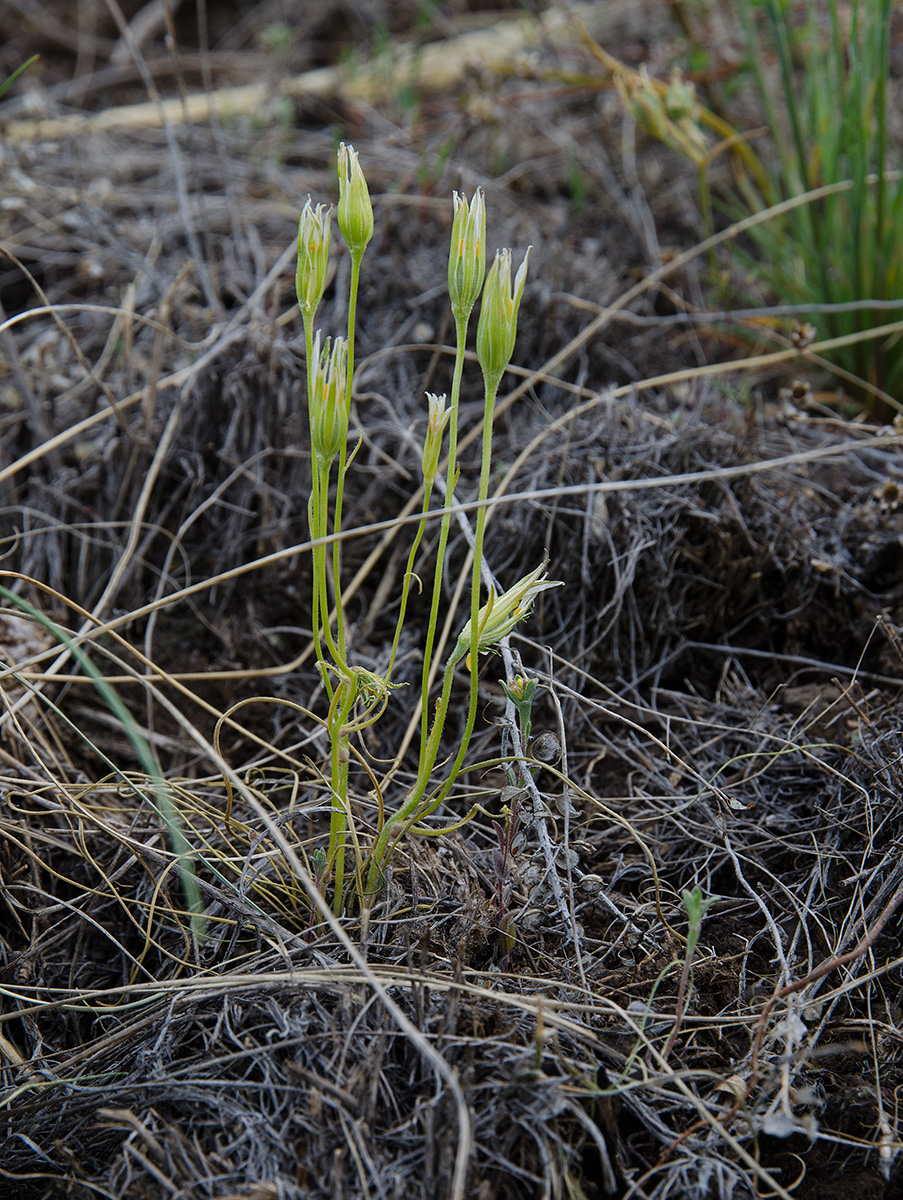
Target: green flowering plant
x,y
467,256
357,697
326,400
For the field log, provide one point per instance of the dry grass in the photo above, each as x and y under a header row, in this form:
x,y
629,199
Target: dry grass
x,y
722,673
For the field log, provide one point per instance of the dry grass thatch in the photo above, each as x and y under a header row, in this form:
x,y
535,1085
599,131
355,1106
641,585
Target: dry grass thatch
x,y
720,676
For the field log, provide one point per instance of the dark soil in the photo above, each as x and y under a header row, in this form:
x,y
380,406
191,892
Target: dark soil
x,y
722,669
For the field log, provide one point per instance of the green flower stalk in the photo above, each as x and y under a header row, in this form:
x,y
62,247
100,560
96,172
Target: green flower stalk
x,y
355,212
314,230
500,614
328,414
355,216
497,326
466,272
437,420
496,333
467,257
495,619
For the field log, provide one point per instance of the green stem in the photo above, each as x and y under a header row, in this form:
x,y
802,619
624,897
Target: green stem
x,y
485,465
314,509
343,454
184,853
320,572
340,711
408,576
415,795
479,533
451,479
430,751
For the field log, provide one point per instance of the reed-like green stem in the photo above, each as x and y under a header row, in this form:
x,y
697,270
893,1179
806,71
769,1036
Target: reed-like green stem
x,y
451,478
337,725
415,795
322,516
314,507
343,456
408,578
182,849
430,750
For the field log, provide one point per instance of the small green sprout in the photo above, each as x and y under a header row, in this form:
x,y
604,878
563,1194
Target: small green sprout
x,y
696,909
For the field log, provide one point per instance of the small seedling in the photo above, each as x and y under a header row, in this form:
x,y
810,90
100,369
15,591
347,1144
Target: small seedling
x,y
696,909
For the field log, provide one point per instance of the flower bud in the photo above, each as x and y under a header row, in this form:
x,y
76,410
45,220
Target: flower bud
x,y
328,415
500,614
467,256
520,690
355,211
497,326
313,257
432,443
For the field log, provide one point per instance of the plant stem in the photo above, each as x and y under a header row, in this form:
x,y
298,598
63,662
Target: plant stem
x,y
408,576
451,478
343,453
320,572
430,750
182,849
415,795
313,522
340,711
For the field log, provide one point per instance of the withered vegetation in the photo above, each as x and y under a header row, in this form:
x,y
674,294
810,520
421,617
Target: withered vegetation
x,y
720,676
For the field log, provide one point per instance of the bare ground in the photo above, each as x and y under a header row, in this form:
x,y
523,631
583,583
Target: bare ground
x,y
721,672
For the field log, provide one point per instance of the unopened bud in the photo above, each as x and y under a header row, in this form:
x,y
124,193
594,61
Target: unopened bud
x,y
328,415
432,443
467,256
313,257
497,327
520,689
355,212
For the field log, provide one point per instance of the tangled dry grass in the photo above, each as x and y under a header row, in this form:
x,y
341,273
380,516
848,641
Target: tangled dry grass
x,y
721,677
